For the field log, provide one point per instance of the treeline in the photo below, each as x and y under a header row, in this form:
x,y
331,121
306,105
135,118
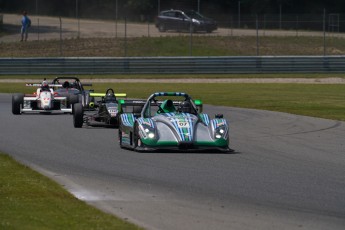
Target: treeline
x,y
121,8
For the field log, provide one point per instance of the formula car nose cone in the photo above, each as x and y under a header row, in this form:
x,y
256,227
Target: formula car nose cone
x,y
46,107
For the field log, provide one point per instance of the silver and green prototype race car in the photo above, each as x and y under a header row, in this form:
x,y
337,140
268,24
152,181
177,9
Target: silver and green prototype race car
x,y
171,121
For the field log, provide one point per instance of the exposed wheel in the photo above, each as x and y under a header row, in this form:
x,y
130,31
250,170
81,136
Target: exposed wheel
x,y
136,138
73,99
17,102
78,115
120,138
161,28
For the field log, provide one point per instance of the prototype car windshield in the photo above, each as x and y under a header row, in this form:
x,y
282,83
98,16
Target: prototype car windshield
x,y
169,105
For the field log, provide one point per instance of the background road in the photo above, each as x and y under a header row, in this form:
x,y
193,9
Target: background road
x,y
44,27
288,171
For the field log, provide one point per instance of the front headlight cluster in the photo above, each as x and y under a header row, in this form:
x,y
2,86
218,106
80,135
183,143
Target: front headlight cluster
x,y
220,132
147,132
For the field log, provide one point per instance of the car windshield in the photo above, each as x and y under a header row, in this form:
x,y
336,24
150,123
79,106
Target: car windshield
x,y
195,15
163,105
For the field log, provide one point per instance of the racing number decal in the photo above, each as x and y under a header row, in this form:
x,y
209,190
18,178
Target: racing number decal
x,y
182,124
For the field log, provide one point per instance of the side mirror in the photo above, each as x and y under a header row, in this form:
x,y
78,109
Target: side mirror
x,y
219,116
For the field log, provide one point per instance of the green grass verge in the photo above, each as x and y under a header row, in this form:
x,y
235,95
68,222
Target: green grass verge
x,y
29,200
317,100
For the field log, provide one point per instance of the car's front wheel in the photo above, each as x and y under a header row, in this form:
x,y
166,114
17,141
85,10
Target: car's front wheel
x,y
78,115
136,138
17,101
73,99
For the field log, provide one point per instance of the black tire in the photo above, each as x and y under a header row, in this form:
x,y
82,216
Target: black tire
x,y
135,136
73,99
120,138
120,133
17,102
78,115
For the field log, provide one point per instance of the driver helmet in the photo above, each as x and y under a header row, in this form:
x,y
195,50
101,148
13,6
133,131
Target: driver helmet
x,y
44,85
185,107
110,97
168,106
65,84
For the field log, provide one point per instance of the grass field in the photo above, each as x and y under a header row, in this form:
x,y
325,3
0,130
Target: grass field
x,y
317,100
28,200
174,46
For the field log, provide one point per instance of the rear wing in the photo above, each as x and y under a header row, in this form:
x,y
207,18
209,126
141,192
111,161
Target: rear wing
x,y
131,106
103,95
40,85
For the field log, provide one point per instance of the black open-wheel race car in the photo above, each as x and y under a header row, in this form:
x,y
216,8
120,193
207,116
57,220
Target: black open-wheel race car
x,y
103,110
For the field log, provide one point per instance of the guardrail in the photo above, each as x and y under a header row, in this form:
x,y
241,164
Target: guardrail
x,y
173,65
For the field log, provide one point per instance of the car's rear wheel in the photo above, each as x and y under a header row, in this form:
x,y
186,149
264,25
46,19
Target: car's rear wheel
x,y
161,28
78,115
73,99
17,101
120,138
136,138
120,133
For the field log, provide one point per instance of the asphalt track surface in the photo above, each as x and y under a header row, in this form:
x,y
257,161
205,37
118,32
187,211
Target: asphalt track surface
x,y
288,171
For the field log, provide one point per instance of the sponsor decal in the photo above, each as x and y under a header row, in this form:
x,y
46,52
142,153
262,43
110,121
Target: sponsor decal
x,y
183,124
127,119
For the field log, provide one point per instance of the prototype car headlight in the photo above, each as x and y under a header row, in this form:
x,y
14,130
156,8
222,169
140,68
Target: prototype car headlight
x,y
220,128
219,133
146,132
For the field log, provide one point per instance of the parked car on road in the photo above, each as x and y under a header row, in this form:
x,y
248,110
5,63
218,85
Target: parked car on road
x,y
184,21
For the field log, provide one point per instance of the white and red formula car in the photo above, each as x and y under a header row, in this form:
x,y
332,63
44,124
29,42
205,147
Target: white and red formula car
x,y
43,100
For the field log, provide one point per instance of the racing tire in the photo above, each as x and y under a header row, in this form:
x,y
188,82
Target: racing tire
x,y
120,138
17,102
78,115
73,99
135,136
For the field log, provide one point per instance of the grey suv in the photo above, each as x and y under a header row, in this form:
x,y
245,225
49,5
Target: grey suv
x,y
184,21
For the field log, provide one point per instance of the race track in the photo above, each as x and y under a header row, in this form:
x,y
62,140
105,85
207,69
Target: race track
x,y
288,171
